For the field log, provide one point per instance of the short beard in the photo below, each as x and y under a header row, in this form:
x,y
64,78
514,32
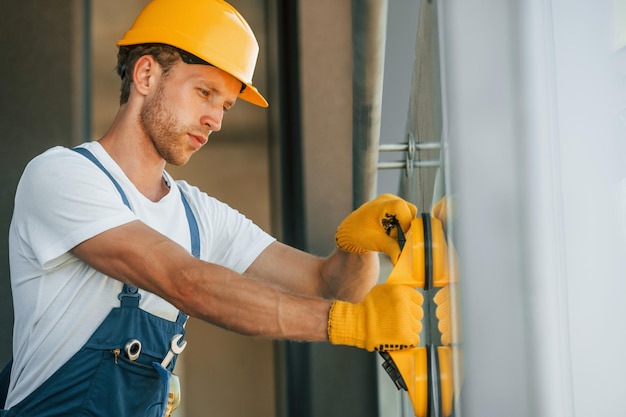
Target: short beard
x,y
163,130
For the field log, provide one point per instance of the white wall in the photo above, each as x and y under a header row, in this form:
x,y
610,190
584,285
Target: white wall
x,y
538,164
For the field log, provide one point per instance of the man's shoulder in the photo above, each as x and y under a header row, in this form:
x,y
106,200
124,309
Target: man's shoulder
x,y
57,156
196,197
57,168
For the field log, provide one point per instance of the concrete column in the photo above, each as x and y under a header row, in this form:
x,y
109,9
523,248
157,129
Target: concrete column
x,y
42,104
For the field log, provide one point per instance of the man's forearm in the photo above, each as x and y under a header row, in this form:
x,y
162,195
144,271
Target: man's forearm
x,y
232,301
349,276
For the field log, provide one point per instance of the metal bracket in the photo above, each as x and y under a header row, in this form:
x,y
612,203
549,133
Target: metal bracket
x,y
411,161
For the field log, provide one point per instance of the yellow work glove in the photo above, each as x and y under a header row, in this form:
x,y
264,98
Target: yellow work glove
x,y
372,227
389,318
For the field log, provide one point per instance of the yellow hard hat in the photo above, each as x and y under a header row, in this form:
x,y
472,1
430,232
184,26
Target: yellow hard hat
x,y
212,30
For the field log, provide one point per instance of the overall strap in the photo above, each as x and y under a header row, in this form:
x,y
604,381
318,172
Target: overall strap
x,y
93,159
130,296
194,232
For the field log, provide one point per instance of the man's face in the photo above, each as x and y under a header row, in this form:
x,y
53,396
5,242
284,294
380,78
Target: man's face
x,y
185,107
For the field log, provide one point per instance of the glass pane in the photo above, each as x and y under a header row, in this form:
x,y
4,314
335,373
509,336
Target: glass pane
x,y
413,165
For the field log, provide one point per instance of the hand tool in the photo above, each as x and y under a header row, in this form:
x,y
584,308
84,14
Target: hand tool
x,y
132,349
175,349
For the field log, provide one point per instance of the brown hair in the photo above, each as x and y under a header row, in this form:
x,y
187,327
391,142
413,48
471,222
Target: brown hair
x,y
127,57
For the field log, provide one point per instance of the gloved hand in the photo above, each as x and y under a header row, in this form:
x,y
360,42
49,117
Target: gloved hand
x,y
389,318
371,226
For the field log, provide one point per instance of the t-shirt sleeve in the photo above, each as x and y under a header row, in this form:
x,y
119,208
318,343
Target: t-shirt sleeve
x,y
228,237
62,200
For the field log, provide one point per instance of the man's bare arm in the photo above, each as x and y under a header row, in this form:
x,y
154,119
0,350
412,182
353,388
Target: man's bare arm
x,y
342,275
136,254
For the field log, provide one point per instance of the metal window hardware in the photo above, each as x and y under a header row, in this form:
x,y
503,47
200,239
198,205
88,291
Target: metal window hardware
x,y
411,161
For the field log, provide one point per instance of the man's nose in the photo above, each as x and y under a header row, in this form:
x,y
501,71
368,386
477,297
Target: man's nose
x,y
213,118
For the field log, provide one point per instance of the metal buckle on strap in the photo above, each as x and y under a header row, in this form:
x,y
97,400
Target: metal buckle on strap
x,y
129,297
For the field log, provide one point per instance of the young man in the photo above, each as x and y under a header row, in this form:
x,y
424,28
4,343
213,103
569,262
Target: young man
x,y
109,254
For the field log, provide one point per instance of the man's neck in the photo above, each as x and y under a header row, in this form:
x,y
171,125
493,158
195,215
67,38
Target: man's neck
x,y
130,148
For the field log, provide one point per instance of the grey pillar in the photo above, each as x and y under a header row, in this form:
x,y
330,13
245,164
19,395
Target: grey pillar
x,y
42,104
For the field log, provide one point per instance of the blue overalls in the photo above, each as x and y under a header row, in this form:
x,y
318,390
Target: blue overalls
x,y
99,380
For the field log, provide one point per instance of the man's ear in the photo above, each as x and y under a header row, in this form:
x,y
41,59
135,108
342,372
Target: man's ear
x,y
146,68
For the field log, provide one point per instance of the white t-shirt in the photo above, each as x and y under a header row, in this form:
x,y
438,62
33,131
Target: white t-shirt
x,y
63,199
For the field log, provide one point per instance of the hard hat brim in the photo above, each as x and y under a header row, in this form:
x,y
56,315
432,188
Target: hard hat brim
x,y
249,94
252,95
